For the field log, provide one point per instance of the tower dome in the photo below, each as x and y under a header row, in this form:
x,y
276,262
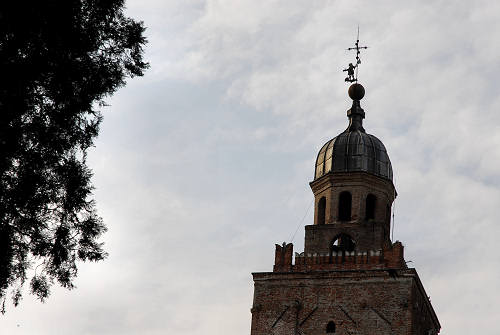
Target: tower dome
x,y
354,149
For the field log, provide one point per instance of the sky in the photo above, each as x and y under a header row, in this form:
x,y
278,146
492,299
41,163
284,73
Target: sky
x,y
203,164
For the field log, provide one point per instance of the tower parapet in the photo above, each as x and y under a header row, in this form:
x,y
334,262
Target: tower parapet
x,y
388,258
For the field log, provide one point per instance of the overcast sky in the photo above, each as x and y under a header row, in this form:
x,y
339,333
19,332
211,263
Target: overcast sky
x,y
203,164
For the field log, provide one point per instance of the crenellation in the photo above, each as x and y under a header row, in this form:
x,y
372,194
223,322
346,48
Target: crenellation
x,y
390,258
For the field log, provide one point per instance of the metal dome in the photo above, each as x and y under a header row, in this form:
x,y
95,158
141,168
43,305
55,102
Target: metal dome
x,y
354,149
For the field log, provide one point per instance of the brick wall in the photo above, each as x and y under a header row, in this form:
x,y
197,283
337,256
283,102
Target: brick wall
x,y
358,302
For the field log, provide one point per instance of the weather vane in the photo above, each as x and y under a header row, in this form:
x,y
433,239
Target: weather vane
x,y
352,70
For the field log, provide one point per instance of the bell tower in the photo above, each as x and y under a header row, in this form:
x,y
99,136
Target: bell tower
x,y
352,188
351,278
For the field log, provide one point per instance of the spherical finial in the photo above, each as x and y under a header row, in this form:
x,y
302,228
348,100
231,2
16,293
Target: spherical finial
x,y
356,91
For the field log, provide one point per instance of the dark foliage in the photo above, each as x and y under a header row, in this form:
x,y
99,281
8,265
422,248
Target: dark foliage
x,y
59,60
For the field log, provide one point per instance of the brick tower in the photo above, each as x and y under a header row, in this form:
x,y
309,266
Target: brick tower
x,y
351,278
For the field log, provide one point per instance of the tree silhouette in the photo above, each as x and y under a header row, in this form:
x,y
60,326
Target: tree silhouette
x,y
59,60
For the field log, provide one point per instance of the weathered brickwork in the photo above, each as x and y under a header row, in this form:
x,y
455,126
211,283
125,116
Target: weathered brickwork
x,y
358,302
359,184
368,236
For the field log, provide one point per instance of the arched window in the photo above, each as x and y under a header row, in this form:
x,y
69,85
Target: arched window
x,y
345,203
343,242
371,201
330,327
321,210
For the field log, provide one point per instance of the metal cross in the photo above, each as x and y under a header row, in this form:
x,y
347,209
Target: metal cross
x,y
351,76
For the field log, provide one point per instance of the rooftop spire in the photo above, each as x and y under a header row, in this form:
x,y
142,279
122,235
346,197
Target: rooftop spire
x,y
356,91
